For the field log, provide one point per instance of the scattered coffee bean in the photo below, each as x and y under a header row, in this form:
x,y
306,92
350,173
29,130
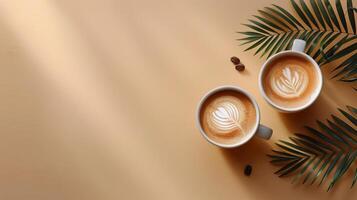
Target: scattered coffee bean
x,y
248,170
235,60
240,67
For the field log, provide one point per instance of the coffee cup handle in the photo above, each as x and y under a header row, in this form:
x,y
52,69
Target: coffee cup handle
x,y
264,132
299,45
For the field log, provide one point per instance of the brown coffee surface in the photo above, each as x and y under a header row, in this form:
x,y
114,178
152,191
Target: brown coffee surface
x,y
227,117
290,81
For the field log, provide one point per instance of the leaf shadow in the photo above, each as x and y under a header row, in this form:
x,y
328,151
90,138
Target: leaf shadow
x,y
254,153
320,110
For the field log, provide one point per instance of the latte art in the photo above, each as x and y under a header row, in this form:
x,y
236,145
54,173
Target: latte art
x,y
225,118
228,116
290,81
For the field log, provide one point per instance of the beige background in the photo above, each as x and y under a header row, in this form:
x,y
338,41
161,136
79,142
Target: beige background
x,y
98,100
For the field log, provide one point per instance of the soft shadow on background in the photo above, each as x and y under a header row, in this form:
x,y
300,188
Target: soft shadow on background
x,y
98,101
296,121
33,157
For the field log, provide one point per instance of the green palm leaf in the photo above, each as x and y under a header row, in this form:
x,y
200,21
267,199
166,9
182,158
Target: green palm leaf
x,y
341,14
300,13
329,30
325,14
328,154
283,16
317,13
308,13
354,178
351,15
332,14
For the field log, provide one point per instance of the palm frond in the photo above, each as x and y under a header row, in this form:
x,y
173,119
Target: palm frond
x,y
330,32
325,155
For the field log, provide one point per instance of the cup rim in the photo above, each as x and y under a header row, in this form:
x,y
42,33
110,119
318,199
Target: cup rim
x,y
316,94
219,89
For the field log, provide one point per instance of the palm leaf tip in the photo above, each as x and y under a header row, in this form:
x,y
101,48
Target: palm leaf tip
x,y
352,109
354,178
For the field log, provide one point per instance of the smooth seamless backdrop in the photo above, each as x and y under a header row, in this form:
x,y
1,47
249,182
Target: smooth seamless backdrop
x,y
98,100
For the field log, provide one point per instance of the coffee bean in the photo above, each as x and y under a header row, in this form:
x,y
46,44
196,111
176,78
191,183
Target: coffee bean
x,y
235,60
240,67
248,170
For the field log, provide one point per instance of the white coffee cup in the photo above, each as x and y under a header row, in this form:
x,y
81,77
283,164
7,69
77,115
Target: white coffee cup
x,y
297,50
259,129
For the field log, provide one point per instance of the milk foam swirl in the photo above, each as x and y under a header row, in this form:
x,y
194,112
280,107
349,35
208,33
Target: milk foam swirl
x,y
225,118
290,81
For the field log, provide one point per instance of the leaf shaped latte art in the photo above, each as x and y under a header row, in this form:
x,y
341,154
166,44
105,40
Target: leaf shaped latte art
x,y
225,118
290,83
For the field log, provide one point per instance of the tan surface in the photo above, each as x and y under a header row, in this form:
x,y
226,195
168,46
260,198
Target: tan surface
x,y
98,101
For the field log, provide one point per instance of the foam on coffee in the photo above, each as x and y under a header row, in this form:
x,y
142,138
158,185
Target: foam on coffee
x,y
228,116
290,81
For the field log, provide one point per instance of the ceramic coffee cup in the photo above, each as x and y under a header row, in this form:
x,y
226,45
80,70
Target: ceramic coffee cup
x,y
298,51
257,129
